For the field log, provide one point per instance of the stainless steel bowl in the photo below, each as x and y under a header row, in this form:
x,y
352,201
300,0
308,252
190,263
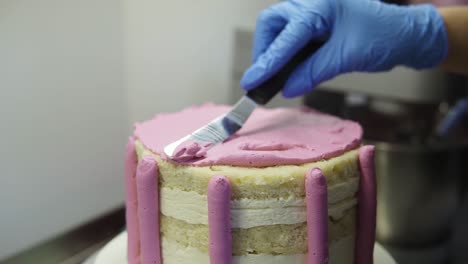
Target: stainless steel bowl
x,y
418,193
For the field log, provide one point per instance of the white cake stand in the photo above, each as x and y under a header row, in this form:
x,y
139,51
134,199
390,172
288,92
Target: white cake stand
x,y
115,252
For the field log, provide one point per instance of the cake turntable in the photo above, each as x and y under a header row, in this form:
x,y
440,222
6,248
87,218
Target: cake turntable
x,y
116,252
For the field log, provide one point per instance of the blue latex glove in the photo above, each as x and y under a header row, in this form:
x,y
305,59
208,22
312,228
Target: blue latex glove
x,y
362,35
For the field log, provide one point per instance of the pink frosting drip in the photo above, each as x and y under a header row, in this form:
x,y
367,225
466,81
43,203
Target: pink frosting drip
x,y
131,204
367,205
148,210
219,220
268,138
317,217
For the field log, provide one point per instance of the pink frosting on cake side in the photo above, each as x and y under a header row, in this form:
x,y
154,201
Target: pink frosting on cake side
x,y
269,137
317,217
131,204
148,210
219,220
367,205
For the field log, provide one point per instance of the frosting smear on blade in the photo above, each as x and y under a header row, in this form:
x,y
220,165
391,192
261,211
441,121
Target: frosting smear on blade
x,y
190,151
269,137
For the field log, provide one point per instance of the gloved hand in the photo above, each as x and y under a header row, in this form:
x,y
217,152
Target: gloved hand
x,y
361,35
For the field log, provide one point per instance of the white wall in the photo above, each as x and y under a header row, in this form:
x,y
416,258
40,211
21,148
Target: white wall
x,y
63,116
74,74
179,52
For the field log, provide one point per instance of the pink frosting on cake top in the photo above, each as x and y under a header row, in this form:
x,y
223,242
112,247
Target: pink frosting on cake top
x,y
270,137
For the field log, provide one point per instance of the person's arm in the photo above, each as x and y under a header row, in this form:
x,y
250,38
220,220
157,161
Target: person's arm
x,y
456,23
361,36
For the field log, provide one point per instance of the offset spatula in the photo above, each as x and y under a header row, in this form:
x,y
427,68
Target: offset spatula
x,y
226,125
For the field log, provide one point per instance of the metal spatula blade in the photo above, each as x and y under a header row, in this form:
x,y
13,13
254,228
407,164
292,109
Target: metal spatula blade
x,y
221,128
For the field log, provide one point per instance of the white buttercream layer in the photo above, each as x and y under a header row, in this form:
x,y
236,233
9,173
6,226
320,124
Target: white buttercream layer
x,y
192,207
340,252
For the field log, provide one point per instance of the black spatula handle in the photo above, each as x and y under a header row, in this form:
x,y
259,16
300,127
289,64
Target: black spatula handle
x,y
268,89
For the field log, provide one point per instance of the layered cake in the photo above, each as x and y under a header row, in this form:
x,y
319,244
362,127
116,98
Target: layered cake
x,y
292,186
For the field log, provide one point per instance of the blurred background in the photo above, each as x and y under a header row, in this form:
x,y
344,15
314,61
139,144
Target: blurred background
x,y
75,75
